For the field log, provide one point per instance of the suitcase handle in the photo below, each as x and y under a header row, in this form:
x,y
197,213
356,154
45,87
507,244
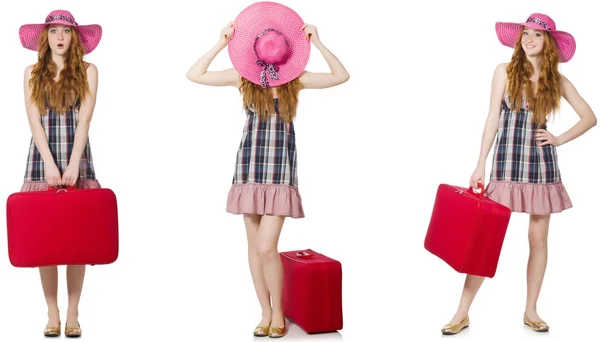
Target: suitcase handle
x,y
481,190
57,189
304,255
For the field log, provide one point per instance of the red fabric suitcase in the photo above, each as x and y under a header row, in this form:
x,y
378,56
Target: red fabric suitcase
x,y
312,291
62,227
467,230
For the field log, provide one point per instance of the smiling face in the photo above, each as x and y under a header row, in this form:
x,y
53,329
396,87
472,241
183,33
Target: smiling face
x,y
532,41
59,38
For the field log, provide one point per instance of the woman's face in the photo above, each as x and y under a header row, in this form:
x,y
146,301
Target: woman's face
x,y
59,38
532,41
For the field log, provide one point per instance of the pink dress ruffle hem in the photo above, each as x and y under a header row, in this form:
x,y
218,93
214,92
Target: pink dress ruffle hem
x,y
265,199
537,199
43,186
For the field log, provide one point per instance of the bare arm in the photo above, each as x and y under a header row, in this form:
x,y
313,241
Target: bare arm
x,y
587,117
198,72
337,75
491,123
33,115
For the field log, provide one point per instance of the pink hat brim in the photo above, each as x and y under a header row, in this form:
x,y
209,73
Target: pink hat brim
x,y
255,19
90,35
508,34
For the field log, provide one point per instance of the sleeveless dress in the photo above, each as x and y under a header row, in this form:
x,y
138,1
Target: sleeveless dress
x,y
265,180
525,177
60,132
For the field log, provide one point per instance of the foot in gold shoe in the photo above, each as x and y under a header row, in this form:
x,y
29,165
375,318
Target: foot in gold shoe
x,y
276,332
537,326
73,331
261,331
453,329
52,331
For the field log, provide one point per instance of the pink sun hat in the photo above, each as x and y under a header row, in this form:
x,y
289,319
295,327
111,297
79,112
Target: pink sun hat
x,y
88,34
268,46
508,33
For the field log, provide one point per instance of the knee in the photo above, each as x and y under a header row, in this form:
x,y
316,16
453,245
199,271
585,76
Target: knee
x,y
538,231
267,251
48,268
538,241
252,251
252,248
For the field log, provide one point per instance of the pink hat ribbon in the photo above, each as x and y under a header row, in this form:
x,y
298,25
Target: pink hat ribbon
x,y
269,68
62,17
540,22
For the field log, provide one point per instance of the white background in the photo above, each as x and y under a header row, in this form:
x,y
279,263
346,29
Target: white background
x,y
371,155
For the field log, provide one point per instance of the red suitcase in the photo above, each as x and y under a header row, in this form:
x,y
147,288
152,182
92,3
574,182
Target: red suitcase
x,y
467,230
62,227
312,291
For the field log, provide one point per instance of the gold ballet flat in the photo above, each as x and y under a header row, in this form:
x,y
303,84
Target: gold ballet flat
x,y
537,326
52,331
73,331
275,332
453,329
261,331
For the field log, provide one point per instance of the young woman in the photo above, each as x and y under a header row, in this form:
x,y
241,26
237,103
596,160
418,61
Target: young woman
x,y
269,47
525,175
60,95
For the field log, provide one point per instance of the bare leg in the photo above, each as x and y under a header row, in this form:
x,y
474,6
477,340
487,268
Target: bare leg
x,y
75,275
472,285
268,237
252,223
49,277
538,258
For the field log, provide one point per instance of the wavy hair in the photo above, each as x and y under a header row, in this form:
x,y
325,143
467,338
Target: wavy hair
x,y
546,99
261,100
72,84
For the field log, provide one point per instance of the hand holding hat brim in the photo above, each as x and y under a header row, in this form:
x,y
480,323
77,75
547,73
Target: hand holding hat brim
x,y
256,19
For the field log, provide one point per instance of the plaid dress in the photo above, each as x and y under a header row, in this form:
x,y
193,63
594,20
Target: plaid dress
x,y
525,177
60,132
265,180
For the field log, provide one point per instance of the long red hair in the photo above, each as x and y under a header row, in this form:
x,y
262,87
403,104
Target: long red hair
x,y
261,100
546,99
72,83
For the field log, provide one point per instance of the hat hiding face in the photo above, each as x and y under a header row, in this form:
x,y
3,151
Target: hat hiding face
x,y
268,46
508,33
89,34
